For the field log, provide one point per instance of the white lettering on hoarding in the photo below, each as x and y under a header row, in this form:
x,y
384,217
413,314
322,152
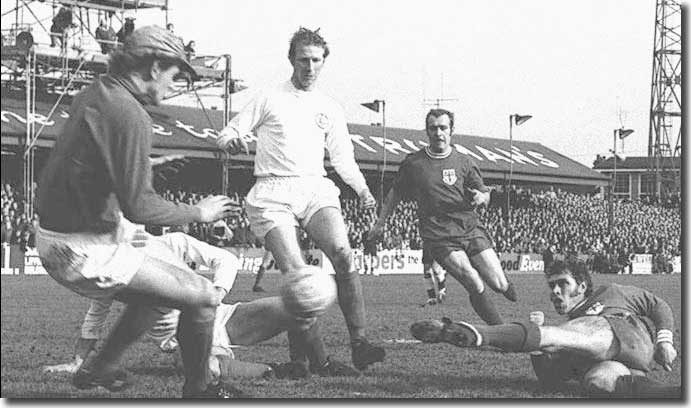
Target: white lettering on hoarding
x,y
160,130
405,146
542,159
411,145
205,133
531,265
491,156
518,157
357,139
462,149
392,146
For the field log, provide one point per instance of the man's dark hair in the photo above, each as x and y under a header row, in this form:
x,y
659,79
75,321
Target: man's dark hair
x,y
122,63
577,269
305,36
440,112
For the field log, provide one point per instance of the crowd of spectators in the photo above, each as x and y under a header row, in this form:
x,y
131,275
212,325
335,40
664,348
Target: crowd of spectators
x,y
555,224
68,32
17,227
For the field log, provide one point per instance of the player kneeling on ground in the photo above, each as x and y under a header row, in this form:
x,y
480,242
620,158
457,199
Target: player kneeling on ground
x,y
613,334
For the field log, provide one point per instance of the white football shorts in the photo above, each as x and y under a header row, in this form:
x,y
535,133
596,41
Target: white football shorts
x,y
93,265
288,201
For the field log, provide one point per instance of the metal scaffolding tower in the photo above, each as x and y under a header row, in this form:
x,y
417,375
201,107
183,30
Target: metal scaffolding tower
x,y
664,134
60,72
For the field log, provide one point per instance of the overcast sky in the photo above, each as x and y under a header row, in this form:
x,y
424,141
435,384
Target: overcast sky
x,y
581,68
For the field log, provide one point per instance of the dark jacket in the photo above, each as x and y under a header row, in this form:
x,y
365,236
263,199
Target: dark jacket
x,y
100,165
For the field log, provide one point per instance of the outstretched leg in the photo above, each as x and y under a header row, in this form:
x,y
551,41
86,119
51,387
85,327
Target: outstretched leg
x,y
589,336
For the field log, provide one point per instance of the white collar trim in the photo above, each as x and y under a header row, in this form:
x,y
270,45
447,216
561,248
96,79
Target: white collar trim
x,y
437,155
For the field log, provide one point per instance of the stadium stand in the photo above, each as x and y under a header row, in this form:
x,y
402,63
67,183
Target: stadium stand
x,y
561,223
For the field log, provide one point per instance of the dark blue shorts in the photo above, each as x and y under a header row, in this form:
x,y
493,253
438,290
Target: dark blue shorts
x,y
476,241
636,346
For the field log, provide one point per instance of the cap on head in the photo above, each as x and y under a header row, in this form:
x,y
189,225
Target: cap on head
x,y
154,40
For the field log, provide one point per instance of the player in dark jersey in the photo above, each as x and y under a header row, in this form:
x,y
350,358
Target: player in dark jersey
x,y
447,186
613,335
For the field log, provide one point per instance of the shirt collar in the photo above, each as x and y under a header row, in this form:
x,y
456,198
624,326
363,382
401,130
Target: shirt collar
x,y
433,155
292,88
129,85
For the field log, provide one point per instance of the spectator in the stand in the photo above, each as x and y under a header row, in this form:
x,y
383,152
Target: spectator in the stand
x,y
105,35
126,29
6,231
548,256
241,235
191,49
61,21
27,239
72,38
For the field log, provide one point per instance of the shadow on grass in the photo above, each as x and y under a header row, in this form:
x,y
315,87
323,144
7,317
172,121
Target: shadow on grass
x,y
407,385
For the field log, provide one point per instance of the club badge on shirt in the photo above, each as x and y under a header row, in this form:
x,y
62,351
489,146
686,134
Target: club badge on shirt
x,y
322,121
448,176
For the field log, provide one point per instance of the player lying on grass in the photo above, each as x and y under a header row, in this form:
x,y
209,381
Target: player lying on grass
x,y
447,186
238,324
613,334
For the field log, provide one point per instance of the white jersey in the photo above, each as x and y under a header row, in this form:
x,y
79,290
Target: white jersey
x,y
292,128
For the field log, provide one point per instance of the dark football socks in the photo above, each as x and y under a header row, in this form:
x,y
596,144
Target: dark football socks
x,y
195,345
352,303
510,293
134,321
484,307
307,345
515,337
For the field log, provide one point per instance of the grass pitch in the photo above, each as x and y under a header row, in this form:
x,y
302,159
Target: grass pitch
x,y
41,321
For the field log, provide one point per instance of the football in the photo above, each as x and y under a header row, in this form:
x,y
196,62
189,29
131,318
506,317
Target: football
x,y
308,292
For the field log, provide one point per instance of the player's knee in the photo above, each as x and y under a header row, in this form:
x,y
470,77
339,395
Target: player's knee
x,y
206,296
469,278
602,378
341,257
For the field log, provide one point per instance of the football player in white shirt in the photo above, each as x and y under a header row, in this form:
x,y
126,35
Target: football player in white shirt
x,y
293,123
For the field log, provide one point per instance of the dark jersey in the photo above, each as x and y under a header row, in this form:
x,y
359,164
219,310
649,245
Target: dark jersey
x,y
615,299
440,186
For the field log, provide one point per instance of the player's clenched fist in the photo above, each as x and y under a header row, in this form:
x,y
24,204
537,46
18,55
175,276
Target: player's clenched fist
x,y
214,208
